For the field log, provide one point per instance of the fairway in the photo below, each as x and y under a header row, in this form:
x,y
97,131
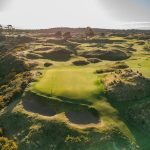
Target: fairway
x,y
141,64
70,83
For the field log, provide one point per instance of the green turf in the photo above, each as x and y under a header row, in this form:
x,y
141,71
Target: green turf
x,y
81,84
141,64
70,83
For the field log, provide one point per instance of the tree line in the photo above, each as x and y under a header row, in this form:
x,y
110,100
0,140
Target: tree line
x,y
89,32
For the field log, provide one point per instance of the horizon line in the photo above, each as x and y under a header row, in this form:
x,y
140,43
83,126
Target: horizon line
x,y
102,28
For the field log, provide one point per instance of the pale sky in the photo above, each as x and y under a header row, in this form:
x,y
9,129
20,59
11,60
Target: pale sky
x,y
120,14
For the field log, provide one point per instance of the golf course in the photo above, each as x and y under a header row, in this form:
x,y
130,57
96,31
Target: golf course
x,y
74,92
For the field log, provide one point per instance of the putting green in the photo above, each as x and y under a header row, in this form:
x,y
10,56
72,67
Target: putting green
x,y
70,83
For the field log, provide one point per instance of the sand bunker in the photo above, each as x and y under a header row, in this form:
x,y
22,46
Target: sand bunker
x,y
35,104
82,117
42,106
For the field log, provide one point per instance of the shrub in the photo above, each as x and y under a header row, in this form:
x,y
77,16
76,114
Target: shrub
x,y
120,65
47,64
58,34
6,144
13,87
147,46
67,35
89,32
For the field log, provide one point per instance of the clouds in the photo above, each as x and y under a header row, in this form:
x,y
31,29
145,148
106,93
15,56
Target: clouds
x,y
137,25
128,10
52,13
3,4
75,13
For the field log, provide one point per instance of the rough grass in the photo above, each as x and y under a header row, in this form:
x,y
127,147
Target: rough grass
x,y
33,131
132,115
78,88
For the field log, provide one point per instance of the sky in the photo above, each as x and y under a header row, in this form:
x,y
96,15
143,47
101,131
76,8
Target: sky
x,y
113,14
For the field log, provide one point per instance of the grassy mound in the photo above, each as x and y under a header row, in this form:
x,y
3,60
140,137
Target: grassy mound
x,y
139,113
76,111
59,54
94,60
11,63
12,87
106,54
127,85
57,41
43,48
33,56
33,133
24,39
120,65
80,62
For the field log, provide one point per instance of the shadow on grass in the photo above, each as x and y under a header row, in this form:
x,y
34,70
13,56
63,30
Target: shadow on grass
x,y
141,137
